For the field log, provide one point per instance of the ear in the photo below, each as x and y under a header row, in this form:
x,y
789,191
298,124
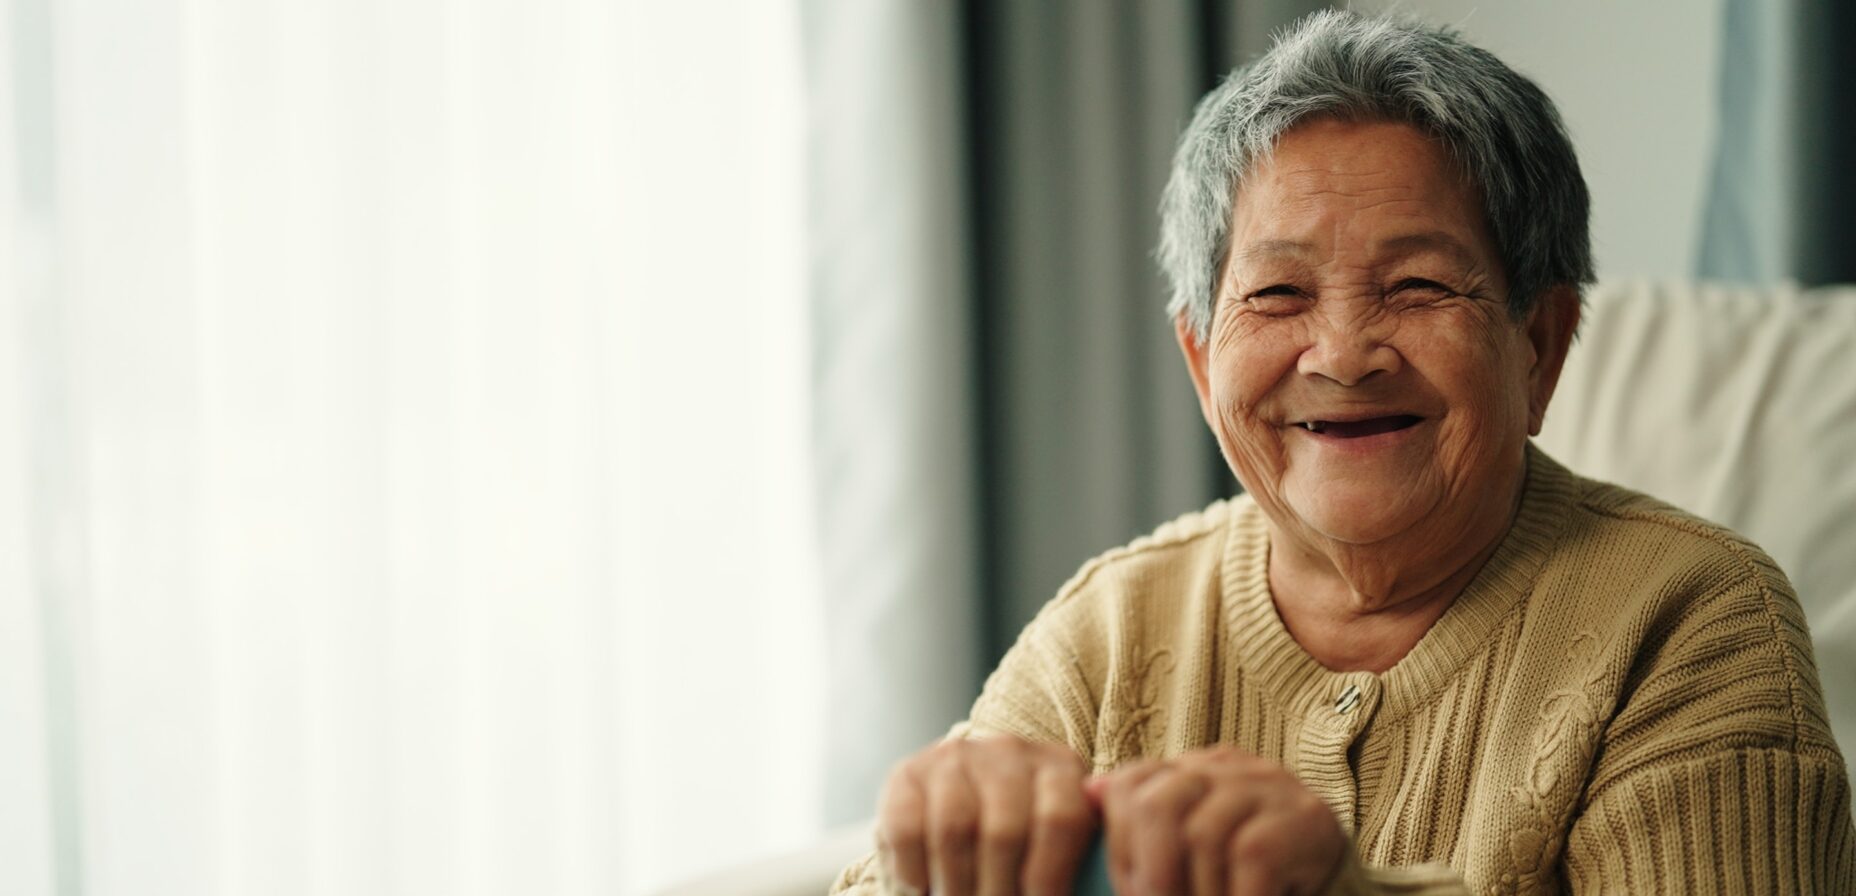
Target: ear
x,y
1550,329
1197,364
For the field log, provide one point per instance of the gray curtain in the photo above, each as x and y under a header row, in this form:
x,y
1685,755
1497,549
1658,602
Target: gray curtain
x,y
893,431
1784,186
1000,395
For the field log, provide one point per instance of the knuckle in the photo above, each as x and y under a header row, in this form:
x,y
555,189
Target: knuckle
x,y
1061,820
900,794
1058,754
1149,803
1226,754
908,768
1120,789
1132,771
1001,837
899,824
1204,835
1249,766
953,828
1254,847
901,830
1007,753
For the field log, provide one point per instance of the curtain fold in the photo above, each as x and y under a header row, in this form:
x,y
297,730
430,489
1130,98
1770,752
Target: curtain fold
x,y
893,433
37,747
1091,433
1784,173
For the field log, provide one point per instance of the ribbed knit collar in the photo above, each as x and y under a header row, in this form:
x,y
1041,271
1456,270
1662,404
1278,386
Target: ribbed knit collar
x,y
1298,683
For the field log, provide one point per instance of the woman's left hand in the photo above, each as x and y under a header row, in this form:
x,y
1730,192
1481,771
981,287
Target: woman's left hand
x,y
1213,822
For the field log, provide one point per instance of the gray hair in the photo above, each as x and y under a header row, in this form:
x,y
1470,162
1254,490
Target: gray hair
x,y
1498,125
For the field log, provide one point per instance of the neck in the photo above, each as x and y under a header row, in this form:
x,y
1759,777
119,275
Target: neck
x,y
1362,608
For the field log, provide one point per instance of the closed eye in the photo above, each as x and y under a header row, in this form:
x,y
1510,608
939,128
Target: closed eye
x,y
1278,300
1422,284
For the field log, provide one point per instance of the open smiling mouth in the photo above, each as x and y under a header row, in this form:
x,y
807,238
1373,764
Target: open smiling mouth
x,y
1358,429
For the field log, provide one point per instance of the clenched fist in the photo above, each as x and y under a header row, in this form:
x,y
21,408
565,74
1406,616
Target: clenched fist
x,y
1213,822
987,816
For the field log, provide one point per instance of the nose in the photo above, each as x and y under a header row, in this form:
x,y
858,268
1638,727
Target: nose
x,y
1349,351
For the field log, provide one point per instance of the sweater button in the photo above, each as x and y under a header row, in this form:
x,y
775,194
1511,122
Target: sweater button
x,y
1349,698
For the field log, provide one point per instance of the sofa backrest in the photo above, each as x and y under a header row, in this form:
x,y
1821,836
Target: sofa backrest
x,y
1738,405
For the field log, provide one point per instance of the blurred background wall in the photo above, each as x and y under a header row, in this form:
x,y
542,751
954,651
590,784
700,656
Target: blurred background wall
x,y
564,446
1638,85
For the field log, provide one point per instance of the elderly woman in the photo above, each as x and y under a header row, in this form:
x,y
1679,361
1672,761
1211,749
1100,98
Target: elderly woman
x,y
1417,655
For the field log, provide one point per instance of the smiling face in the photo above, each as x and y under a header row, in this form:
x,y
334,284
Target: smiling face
x,y
1363,374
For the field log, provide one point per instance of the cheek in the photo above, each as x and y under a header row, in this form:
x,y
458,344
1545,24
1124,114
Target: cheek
x,y
1485,379
1248,364
1248,361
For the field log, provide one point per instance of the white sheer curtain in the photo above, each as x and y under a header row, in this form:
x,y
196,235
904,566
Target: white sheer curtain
x,y
403,474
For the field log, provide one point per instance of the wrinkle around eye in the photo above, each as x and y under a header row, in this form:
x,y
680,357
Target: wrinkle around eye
x,y
1274,304
1277,289
1273,299
1425,284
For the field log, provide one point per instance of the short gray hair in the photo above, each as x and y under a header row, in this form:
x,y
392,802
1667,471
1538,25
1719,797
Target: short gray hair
x,y
1498,125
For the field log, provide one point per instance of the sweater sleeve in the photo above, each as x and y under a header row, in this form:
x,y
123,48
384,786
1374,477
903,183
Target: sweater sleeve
x,y
1718,773
1737,821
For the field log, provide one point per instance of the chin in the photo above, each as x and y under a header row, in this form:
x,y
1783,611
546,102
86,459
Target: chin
x,y
1361,518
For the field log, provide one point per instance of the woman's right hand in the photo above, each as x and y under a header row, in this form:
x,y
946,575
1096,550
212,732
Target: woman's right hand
x,y
988,816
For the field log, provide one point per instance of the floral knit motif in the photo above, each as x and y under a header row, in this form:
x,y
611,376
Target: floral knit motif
x,y
1567,737
1135,724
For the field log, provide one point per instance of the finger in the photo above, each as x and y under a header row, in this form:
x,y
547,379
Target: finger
x,y
1314,845
952,824
1114,794
1161,805
1061,823
1256,860
900,829
1207,834
1002,779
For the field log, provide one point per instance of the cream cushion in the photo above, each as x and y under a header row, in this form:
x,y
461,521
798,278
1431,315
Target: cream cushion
x,y
1737,404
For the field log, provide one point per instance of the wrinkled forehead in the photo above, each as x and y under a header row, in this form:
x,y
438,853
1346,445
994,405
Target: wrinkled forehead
x,y
1384,187
1371,127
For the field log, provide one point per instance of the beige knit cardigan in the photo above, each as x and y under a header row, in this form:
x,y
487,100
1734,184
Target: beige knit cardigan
x,y
1622,701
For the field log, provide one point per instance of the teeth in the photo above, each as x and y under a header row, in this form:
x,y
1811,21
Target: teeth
x,y
1313,425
